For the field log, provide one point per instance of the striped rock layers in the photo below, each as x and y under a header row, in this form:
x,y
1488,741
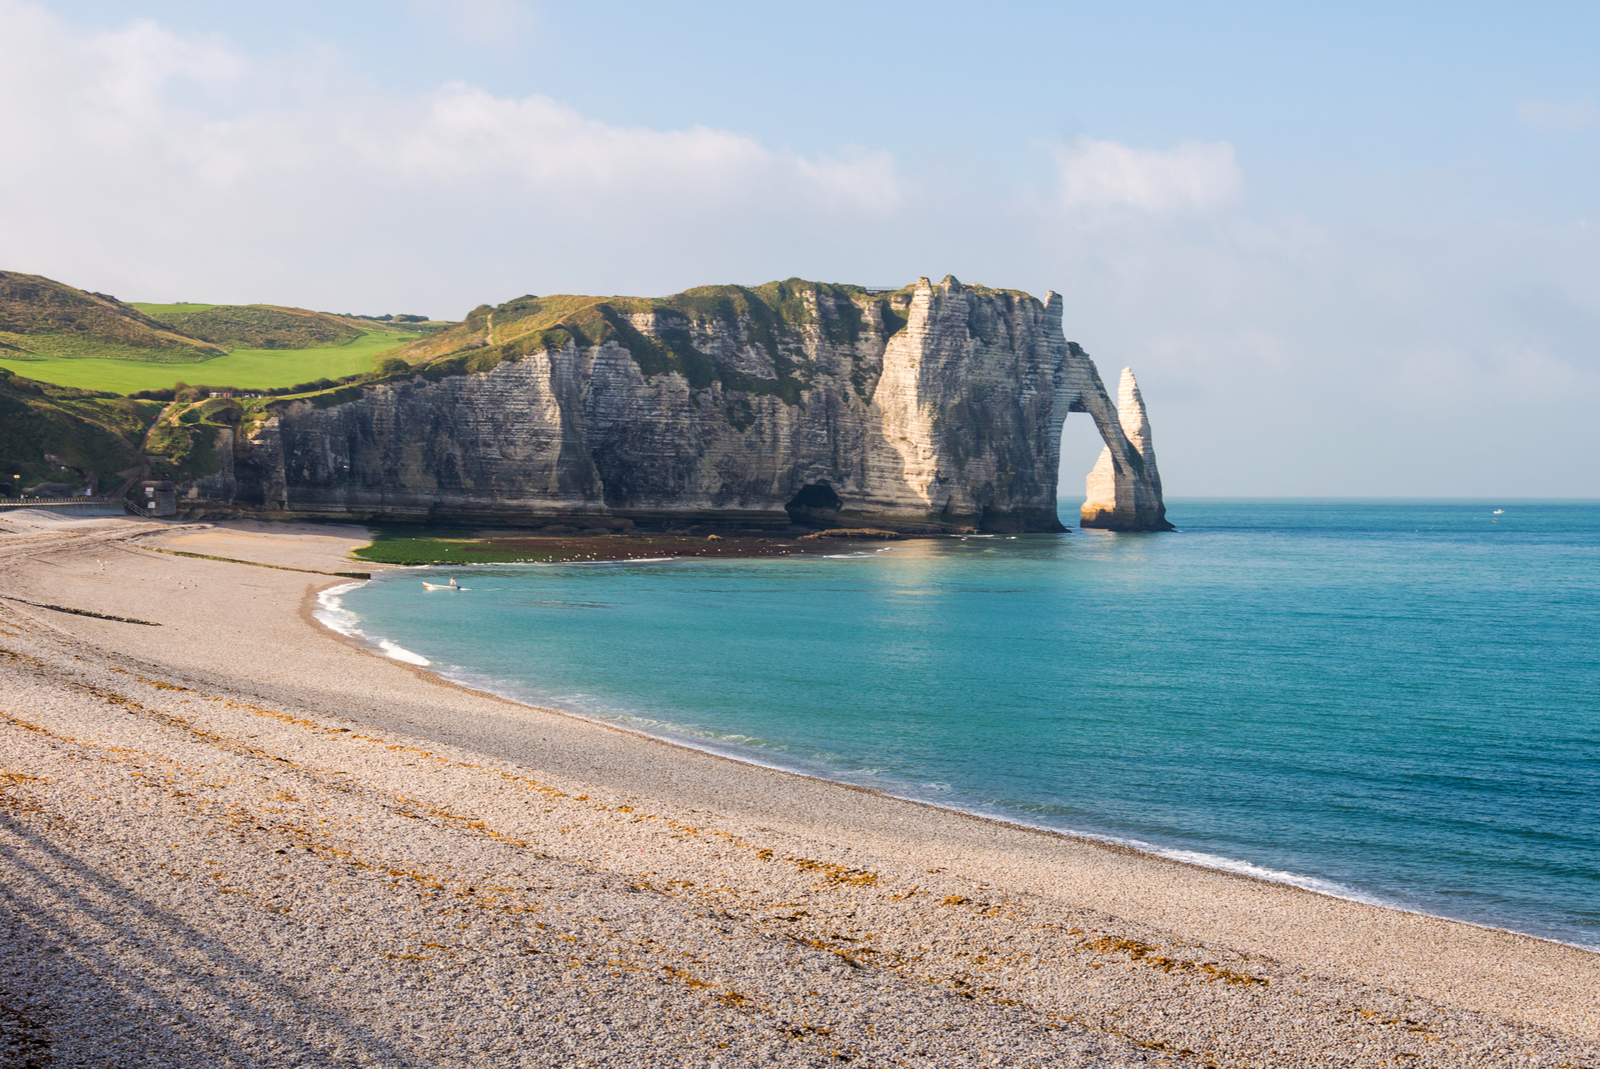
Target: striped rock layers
x,y
937,407
1124,489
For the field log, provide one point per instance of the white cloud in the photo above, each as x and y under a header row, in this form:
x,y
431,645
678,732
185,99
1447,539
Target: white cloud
x,y
177,152
132,67
1107,174
464,131
1559,116
128,103
866,178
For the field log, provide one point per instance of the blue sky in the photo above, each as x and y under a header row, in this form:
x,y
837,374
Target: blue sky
x,y
1349,249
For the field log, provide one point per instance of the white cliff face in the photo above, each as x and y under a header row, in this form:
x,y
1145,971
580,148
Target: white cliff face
x,y
903,471
1135,423
938,407
1124,493
1100,490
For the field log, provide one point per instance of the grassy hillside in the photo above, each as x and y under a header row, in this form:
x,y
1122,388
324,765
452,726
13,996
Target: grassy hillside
x,y
160,311
66,355
294,351
256,326
59,434
45,427
246,369
44,319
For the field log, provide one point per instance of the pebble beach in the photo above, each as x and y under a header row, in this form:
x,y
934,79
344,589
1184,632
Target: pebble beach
x,y
231,837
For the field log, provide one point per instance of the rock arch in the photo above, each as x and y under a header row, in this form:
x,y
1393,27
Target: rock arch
x,y
1123,491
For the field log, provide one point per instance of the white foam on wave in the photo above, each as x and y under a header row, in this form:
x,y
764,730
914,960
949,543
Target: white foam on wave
x,y
1245,868
331,613
1197,858
400,653
1323,887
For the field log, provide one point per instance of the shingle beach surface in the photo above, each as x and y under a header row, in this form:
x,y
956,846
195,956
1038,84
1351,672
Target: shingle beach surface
x,y
235,839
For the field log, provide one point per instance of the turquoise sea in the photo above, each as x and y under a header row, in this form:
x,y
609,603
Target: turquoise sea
x,y
1395,702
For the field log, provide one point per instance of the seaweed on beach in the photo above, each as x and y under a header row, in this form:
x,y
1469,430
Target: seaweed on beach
x,y
440,546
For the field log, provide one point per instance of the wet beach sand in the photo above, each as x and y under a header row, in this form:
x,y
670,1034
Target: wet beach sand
x,y
229,837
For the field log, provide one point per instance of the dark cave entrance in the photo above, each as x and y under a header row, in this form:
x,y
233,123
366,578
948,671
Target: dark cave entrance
x,y
816,497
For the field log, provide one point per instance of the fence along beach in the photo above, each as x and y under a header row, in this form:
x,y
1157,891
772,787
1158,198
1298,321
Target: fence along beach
x,y
238,836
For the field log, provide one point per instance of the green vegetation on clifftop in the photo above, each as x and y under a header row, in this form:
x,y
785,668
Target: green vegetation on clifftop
x,y
244,369
661,333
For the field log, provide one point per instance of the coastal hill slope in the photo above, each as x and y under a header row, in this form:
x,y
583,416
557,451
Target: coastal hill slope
x,y
70,357
56,333
76,437
42,318
260,326
934,407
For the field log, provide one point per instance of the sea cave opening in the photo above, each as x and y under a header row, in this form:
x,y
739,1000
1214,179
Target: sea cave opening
x,y
814,497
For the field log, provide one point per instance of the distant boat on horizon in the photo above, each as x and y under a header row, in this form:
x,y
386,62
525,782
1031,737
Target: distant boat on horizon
x,y
1499,512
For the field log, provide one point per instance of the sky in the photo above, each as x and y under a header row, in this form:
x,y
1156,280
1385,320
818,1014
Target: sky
x,y
1349,250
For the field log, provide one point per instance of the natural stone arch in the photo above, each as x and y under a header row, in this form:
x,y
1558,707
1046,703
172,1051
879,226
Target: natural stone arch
x,y
1123,490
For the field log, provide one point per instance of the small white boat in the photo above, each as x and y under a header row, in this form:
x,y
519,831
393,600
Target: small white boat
x,y
1499,512
451,585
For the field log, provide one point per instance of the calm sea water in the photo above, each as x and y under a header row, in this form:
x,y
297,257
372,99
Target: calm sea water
x,y
1393,702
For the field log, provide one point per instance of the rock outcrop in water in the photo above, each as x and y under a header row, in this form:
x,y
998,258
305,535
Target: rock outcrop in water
x,y
936,407
1126,496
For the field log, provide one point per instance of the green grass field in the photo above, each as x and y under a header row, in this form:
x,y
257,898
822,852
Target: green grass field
x,y
156,311
247,369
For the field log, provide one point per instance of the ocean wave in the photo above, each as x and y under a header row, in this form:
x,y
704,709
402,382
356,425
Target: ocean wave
x,y
331,613
1197,858
1245,868
400,653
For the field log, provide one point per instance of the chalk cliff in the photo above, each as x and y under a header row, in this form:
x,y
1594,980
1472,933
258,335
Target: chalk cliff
x,y
1124,492
936,407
